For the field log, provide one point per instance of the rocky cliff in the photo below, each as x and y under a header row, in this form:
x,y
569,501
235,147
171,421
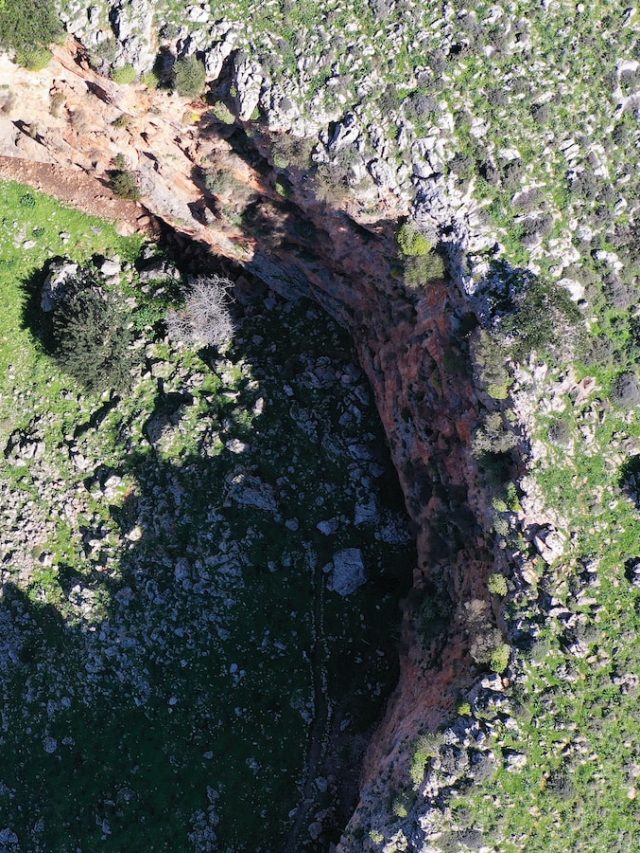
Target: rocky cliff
x,y
64,130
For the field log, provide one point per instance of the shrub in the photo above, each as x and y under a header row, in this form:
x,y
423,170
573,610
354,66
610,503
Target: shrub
x,y
421,269
189,77
402,804
499,659
497,584
124,184
426,748
35,59
489,358
91,337
495,436
542,312
291,150
150,79
432,616
205,319
222,113
331,182
487,648
123,120
56,103
411,242
26,25
124,75
464,709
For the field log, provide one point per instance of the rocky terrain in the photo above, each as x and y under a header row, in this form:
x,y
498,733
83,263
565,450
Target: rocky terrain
x,y
487,126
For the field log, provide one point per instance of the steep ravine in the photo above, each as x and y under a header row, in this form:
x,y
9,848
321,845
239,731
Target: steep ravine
x,y
409,343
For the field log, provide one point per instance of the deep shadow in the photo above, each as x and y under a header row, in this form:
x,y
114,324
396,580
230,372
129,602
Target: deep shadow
x,y
212,582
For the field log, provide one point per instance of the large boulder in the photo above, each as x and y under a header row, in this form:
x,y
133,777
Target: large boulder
x,y
61,274
347,571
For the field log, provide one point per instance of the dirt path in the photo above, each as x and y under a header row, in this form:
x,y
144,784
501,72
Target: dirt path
x,y
79,190
321,718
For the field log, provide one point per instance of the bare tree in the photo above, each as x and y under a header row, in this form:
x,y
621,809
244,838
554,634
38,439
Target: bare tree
x,y
205,319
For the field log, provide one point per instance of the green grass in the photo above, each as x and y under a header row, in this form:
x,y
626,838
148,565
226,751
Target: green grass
x,y
569,798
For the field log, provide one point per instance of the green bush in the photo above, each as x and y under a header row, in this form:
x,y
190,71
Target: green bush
x,y
124,75
426,748
423,268
488,649
150,79
123,120
411,242
499,659
542,312
91,337
489,358
497,584
402,804
124,184
26,25
189,77
36,59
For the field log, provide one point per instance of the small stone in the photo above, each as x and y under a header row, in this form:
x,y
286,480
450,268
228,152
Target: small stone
x,y
111,267
236,446
315,830
49,744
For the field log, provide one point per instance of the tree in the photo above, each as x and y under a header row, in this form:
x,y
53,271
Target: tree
x,y
189,77
205,319
91,336
26,25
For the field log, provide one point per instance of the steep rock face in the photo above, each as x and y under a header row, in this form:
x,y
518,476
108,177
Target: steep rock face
x,y
408,342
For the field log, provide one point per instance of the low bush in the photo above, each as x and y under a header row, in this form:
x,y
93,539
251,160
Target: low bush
x,y
189,77
419,270
403,803
425,749
331,183
543,312
34,59
496,435
489,360
123,120
150,79
488,649
56,103
124,184
124,75
499,659
626,391
411,242
497,584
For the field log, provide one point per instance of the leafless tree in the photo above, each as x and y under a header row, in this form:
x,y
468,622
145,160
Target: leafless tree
x,y
205,319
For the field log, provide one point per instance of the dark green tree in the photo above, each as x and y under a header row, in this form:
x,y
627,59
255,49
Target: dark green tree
x,y
189,77
26,25
92,338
